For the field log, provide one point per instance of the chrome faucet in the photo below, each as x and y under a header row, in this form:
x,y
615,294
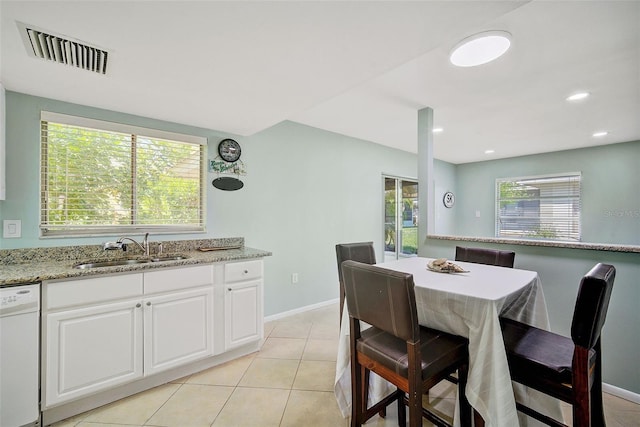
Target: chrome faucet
x,y
119,244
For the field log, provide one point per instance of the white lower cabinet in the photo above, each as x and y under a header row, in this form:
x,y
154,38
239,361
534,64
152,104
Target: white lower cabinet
x,y
107,331
243,318
91,349
178,328
243,303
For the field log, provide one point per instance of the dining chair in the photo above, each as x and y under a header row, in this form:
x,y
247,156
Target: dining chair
x,y
569,369
412,357
361,252
485,256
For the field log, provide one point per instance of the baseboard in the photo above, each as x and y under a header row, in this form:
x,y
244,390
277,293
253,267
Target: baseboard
x,y
621,393
300,310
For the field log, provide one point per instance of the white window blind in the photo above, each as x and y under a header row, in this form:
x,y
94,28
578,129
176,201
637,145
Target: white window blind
x,y
105,178
542,207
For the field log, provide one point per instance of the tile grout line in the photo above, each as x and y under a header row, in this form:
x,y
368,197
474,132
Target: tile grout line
x,y
165,402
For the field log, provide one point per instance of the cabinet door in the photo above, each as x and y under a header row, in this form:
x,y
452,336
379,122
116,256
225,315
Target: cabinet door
x,y
178,329
243,313
91,349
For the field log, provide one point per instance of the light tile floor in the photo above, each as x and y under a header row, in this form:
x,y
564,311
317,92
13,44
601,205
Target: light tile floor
x,y
289,383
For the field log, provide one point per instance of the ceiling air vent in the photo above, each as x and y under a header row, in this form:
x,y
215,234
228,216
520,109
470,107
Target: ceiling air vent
x,y
64,50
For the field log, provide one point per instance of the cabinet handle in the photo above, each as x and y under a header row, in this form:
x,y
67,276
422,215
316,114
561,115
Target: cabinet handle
x,y
138,305
228,289
148,303
246,271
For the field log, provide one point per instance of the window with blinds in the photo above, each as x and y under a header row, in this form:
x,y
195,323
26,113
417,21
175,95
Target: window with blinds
x,y
101,178
542,207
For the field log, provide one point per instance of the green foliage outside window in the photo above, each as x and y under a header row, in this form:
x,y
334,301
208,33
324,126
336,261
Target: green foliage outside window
x,y
95,178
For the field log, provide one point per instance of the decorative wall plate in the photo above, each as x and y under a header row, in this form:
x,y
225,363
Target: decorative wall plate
x,y
449,199
227,183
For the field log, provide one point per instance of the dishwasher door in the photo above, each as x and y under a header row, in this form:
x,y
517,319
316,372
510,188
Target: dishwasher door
x,y
19,355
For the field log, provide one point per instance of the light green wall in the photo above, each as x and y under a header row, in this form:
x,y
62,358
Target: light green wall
x,y
445,180
610,196
306,190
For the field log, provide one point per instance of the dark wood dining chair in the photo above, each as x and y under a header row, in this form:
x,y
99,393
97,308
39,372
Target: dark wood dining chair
x,y
485,256
361,252
569,369
412,357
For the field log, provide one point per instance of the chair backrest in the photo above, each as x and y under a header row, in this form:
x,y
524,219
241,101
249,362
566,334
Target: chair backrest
x,y
592,304
382,298
485,256
361,252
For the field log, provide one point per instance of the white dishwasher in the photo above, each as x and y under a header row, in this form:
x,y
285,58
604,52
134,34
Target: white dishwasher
x,y
19,355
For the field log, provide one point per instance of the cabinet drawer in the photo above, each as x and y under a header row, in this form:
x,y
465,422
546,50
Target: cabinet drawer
x,y
178,278
88,291
246,270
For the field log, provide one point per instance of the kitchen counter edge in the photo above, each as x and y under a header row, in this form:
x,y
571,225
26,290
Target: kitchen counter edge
x,y
14,274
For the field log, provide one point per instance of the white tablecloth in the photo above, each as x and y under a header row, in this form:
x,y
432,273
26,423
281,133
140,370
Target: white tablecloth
x,y
469,305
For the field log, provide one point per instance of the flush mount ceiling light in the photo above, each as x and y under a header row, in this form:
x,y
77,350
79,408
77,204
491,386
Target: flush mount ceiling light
x,y
600,134
437,130
578,96
480,48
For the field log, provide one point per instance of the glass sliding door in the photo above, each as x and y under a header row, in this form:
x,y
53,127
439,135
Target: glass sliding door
x,y
400,218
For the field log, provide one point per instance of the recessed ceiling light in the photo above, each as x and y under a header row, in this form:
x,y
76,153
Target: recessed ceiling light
x,y
489,151
601,133
578,96
480,48
437,130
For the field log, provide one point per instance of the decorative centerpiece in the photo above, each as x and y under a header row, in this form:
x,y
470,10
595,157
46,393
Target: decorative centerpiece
x,y
441,265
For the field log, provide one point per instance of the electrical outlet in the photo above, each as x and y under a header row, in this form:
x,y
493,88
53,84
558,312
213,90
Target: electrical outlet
x,y
294,278
12,228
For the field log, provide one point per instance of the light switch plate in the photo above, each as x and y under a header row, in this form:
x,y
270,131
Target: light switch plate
x,y
11,228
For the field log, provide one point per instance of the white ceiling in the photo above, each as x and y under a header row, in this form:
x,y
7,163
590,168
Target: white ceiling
x,y
357,68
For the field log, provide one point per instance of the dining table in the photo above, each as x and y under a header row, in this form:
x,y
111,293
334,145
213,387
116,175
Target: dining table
x,y
468,304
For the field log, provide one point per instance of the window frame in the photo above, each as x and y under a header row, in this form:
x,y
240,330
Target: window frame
x,y
570,226
60,231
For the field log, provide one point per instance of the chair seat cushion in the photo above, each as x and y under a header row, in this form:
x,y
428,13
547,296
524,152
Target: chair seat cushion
x,y
537,352
439,350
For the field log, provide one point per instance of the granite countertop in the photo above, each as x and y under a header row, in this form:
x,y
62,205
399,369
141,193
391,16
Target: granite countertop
x,y
39,264
607,247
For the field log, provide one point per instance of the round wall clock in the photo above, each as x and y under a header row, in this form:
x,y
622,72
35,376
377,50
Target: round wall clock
x,y
229,150
449,199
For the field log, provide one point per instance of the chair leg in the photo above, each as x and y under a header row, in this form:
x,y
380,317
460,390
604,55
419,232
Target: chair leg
x,y
415,408
581,389
478,421
414,385
402,411
357,374
365,394
341,303
465,407
597,407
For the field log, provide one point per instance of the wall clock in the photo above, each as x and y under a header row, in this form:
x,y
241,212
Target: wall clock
x,y
229,150
449,199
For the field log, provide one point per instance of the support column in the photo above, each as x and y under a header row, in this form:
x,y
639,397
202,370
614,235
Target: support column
x,y
426,220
